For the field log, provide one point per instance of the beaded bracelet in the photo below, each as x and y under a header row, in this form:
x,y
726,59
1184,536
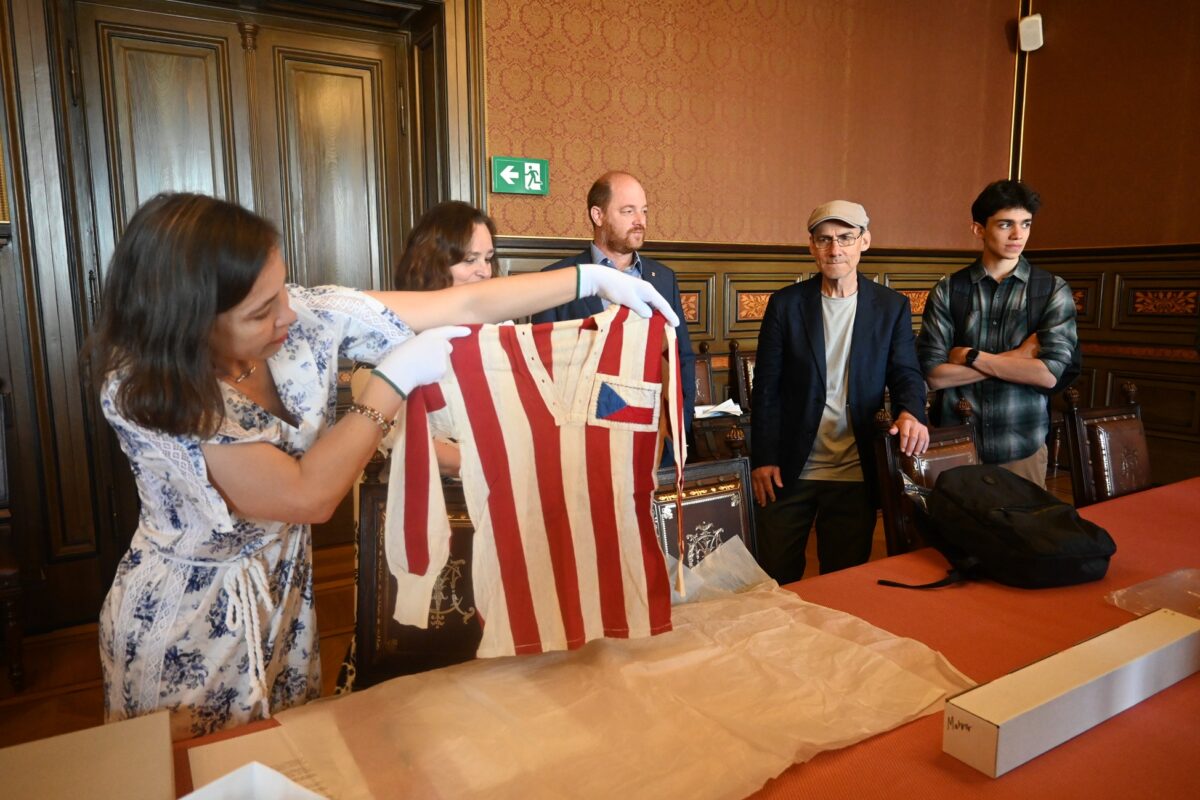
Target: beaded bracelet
x,y
374,415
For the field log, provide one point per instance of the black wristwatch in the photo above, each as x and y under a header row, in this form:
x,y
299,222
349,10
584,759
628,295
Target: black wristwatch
x,y
972,354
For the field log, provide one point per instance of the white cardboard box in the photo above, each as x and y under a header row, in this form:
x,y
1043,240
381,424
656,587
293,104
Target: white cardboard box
x,y
1006,722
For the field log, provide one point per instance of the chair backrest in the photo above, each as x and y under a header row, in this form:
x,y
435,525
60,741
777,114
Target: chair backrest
x,y
716,507
383,647
3,451
1107,448
742,364
949,446
720,438
705,394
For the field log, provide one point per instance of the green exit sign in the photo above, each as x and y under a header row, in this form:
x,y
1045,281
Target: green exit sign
x,y
520,175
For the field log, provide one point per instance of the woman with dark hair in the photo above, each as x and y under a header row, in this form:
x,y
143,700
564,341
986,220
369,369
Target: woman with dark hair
x,y
452,244
220,381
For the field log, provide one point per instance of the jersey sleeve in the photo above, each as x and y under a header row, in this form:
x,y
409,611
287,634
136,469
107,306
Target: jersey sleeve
x,y
417,530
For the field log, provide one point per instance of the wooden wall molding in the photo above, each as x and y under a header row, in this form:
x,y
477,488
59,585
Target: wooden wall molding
x,y
1138,314
466,163
1141,352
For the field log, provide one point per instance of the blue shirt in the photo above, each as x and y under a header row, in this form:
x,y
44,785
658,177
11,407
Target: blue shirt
x,y
634,269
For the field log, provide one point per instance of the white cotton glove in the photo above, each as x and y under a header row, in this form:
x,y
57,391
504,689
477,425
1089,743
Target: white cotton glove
x,y
617,287
420,360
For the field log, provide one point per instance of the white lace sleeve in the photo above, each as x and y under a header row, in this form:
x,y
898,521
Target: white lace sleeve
x,y
364,327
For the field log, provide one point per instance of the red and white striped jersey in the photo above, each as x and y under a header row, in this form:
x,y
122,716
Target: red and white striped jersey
x,y
561,431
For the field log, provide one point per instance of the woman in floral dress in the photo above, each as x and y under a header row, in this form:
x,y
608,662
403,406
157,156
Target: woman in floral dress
x,y
220,380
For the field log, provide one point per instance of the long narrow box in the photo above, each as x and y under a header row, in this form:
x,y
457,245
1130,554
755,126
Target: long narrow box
x,y
1004,723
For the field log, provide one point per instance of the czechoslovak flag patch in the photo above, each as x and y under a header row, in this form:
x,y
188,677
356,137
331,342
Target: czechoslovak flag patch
x,y
626,403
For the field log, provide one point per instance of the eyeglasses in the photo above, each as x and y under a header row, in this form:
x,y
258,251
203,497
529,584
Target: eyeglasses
x,y
842,239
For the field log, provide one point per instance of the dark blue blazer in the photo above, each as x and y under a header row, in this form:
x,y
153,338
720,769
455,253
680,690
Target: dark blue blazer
x,y
789,374
662,279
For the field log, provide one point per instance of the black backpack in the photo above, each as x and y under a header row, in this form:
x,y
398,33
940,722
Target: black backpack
x,y
990,523
1040,288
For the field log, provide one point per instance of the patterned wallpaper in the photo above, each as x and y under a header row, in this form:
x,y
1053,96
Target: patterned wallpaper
x,y
1112,175
739,116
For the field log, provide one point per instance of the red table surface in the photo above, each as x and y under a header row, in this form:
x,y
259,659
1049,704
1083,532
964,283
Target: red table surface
x,y
986,630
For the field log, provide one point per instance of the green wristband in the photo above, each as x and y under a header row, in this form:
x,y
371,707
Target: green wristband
x,y
388,381
578,280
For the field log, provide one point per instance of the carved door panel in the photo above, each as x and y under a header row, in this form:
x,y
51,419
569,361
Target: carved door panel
x,y
167,110
305,128
333,165
300,122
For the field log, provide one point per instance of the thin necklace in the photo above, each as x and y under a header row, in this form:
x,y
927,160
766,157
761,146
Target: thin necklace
x,y
246,374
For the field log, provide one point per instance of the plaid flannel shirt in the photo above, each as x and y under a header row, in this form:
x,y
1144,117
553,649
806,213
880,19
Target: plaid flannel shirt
x,y
1012,418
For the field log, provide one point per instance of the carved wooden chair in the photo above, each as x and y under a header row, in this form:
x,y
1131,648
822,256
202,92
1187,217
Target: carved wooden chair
x,y
383,647
716,507
705,394
949,446
10,574
1107,447
741,362
715,438
720,438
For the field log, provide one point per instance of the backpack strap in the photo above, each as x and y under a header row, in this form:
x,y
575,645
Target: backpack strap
x,y
960,303
963,570
1037,295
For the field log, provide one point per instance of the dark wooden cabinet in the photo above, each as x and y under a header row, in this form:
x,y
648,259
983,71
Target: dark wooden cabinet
x,y
301,111
298,123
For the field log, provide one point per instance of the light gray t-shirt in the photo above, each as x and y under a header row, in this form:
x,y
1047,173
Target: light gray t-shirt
x,y
834,456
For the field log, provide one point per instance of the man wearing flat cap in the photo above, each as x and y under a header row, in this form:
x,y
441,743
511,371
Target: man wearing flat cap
x,y
827,349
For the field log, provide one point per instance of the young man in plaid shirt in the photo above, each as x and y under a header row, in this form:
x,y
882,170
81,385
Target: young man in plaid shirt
x,y
994,354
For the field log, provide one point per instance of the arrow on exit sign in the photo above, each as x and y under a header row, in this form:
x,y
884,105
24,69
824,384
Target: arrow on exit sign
x,y
520,175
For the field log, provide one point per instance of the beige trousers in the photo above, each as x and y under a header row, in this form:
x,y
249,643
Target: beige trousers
x,y
1032,468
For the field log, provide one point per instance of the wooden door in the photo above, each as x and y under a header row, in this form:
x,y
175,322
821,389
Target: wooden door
x,y
303,123
332,153
307,128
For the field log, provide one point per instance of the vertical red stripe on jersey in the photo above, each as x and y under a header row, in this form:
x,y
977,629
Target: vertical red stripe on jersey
x,y
435,399
604,519
417,473
645,451
502,509
550,474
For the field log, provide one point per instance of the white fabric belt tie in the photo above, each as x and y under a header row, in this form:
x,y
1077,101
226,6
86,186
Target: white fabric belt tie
x,y
247,586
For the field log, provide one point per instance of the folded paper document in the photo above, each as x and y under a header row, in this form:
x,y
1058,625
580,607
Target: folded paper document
x,y
728,408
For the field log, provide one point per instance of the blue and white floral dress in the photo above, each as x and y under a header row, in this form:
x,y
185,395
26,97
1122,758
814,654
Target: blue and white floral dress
x,y
211,615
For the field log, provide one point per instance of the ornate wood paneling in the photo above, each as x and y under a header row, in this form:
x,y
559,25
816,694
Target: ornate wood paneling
x,y
43,304
746,296
329,138
1159,302
109,103
329,117
1138,317
697,296
916,287
429,123
166,110
169,101
1088,290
